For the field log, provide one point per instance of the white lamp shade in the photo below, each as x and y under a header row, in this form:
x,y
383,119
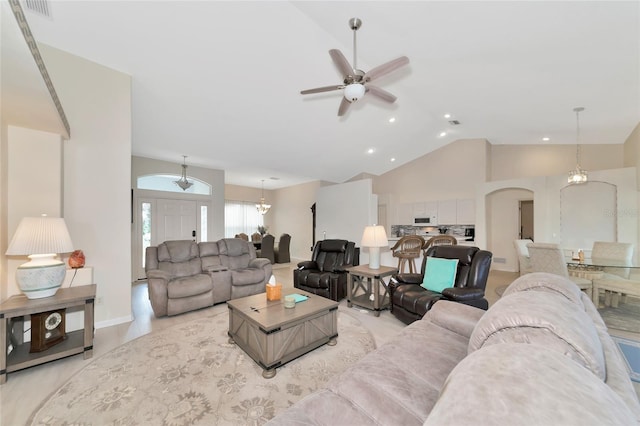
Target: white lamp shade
x,y
374,236
354,91
40,235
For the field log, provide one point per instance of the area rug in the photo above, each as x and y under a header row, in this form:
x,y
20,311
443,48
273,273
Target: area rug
x,y
631,352
190,374
500,289
625,317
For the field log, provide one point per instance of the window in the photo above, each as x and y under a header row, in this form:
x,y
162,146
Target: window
x,y
146,230
162,182
203,223
241,216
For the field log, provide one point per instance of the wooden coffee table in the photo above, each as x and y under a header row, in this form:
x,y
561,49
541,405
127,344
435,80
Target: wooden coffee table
x,y
273,335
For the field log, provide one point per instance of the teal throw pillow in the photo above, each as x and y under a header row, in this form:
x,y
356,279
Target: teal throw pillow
x,y
439,273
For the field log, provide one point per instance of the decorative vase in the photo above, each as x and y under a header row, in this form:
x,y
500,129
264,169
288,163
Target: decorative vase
x,y
76,260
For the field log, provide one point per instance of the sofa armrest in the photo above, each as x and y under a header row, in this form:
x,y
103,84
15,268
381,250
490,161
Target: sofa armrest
x,y
158,274
408,279
463,294
456,317
259,262
307,264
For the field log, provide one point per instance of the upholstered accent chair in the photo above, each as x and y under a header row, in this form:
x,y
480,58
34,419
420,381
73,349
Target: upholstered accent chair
x,y
548,257
282,253
326,273
267,248
522,251
407,250
615,280
410,301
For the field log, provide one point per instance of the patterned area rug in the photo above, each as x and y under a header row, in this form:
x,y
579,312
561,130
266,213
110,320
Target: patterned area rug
x,y
631,351
190,374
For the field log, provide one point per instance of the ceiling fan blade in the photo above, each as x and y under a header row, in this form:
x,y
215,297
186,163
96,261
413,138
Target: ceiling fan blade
x,y
321,89
381,93
341,62
344,106
386,68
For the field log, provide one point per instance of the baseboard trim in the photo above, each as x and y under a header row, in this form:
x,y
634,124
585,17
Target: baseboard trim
x,y
114,321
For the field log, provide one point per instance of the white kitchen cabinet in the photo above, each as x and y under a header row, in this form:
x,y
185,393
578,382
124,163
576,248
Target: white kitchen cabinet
x,y
447,212
466,212
405,214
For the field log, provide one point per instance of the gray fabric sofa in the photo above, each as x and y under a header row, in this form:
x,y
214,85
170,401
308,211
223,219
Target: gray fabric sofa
x,y
541,355
184,275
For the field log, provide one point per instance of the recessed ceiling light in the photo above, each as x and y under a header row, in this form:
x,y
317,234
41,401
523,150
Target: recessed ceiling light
x,y
371,150
442,134
546,139
447,116
392,120
393,159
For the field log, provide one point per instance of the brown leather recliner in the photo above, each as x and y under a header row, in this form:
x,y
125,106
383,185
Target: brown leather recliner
x,y
325,274
410,301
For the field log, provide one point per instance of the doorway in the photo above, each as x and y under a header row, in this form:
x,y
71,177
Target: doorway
x,y
526,219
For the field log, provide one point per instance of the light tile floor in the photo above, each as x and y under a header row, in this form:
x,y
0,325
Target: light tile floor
x,y
26,390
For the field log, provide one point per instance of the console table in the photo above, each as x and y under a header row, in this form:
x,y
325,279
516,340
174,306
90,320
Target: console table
x,y
76,342
369,281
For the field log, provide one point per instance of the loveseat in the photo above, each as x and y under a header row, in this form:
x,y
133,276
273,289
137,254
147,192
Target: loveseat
x,y
184,275
541,355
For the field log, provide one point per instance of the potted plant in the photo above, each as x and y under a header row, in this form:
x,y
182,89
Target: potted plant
x,y
262,230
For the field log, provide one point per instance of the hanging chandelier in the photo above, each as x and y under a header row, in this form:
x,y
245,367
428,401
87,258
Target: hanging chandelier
x,y
183,182
579,175
263,208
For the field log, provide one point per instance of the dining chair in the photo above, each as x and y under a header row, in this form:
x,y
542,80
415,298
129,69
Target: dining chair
x,y
255,237
242,236
267,248
282,254
407,250
440,240
615,280
548,257
524,262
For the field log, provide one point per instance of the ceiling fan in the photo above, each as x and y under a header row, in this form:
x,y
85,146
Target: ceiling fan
x,y
357,82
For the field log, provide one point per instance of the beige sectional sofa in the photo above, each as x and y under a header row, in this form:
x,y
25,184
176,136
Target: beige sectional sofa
x,y
184,275
541,355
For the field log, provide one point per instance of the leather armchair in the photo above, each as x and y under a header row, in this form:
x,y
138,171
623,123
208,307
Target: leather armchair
x,y
326,273
410,301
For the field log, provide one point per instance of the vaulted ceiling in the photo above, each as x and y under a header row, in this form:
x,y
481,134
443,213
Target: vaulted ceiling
x,y
220,81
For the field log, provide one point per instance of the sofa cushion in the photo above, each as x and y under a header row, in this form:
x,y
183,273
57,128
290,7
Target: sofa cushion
x,y
177,251
542,281
545,319
189,286
514,384
439,273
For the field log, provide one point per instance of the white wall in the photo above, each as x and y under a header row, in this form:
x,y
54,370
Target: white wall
x,y
34,185
97,174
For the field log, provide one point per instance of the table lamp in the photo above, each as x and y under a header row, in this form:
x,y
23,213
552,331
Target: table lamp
x,y
41,239
374,237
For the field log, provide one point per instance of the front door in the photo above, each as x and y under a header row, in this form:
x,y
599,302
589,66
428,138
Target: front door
x,y
176,220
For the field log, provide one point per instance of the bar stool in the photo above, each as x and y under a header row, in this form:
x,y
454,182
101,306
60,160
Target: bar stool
x,y
407,250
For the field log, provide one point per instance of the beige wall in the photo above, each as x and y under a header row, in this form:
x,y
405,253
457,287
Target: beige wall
x,y
518,161
632,150
97,174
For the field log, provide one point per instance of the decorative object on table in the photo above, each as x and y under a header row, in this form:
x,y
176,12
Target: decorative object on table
x,y
356,82
47,330
578,175
274,290
41,239
289,301
183,182
76,260
262,230
263,207
374,237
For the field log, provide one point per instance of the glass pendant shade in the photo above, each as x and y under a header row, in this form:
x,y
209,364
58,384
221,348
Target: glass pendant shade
x,y
183,182
579,175
353,92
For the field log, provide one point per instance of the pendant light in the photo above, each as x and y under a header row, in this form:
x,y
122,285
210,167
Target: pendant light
x,y
183,182
263,208
578,175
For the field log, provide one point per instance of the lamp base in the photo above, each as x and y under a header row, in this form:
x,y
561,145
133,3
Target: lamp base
x,y
41,277
374,257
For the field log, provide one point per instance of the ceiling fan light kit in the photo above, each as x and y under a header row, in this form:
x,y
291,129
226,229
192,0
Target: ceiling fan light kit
x,y
356,82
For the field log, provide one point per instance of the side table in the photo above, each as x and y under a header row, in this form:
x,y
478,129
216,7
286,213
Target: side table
x,y
369,281
76,342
